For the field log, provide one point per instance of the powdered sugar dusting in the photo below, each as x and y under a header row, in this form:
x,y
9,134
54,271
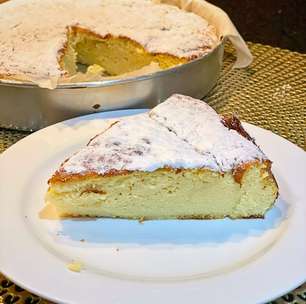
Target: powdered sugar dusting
x,y
182,132
136,143
198,124
32,32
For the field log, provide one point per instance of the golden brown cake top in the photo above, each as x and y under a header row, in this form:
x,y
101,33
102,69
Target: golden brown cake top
x,y
33,32
180,133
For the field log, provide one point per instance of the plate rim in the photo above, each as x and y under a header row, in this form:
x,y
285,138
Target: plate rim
x,y
114,114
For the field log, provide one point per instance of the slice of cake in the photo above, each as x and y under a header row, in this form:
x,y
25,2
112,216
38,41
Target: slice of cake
x,y
180,160
49,39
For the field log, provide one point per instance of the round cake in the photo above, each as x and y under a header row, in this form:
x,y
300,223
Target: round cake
x,y
56,39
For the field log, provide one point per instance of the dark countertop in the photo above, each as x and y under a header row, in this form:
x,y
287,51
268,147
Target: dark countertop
x,y
280,23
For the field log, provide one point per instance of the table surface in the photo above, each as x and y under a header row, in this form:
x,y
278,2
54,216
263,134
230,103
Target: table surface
x,y
271,94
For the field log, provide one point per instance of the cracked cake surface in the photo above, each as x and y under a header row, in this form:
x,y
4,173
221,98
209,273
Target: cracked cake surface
x,y
181,132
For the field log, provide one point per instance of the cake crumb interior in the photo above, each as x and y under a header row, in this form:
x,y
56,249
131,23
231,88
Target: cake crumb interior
x,y
88,53
167,194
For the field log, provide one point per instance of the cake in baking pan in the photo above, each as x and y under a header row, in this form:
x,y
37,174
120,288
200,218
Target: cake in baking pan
x,y
57,38
181,160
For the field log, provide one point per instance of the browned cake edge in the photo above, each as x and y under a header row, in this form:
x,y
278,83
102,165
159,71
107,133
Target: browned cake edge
x,y
238,172
230,121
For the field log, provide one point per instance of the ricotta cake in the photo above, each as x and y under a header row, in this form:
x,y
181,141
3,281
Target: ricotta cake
x,y
180,160
55,39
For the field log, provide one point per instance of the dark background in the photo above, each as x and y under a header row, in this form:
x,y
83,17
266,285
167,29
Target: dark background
x,y
279,23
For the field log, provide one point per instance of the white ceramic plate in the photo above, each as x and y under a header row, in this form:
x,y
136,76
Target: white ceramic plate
x,y
217,261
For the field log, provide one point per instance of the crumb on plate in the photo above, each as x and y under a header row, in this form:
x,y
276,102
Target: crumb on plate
x,y
75,266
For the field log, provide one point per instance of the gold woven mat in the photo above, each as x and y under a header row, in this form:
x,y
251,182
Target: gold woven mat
x,y
271,93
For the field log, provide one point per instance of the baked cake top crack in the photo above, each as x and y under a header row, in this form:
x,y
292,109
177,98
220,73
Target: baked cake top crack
x,y
182,133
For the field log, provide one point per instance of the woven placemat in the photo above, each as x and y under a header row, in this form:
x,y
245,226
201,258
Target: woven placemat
x,y
271,93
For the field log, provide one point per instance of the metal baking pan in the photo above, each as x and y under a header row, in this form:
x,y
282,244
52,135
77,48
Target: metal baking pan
x,y
25,106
